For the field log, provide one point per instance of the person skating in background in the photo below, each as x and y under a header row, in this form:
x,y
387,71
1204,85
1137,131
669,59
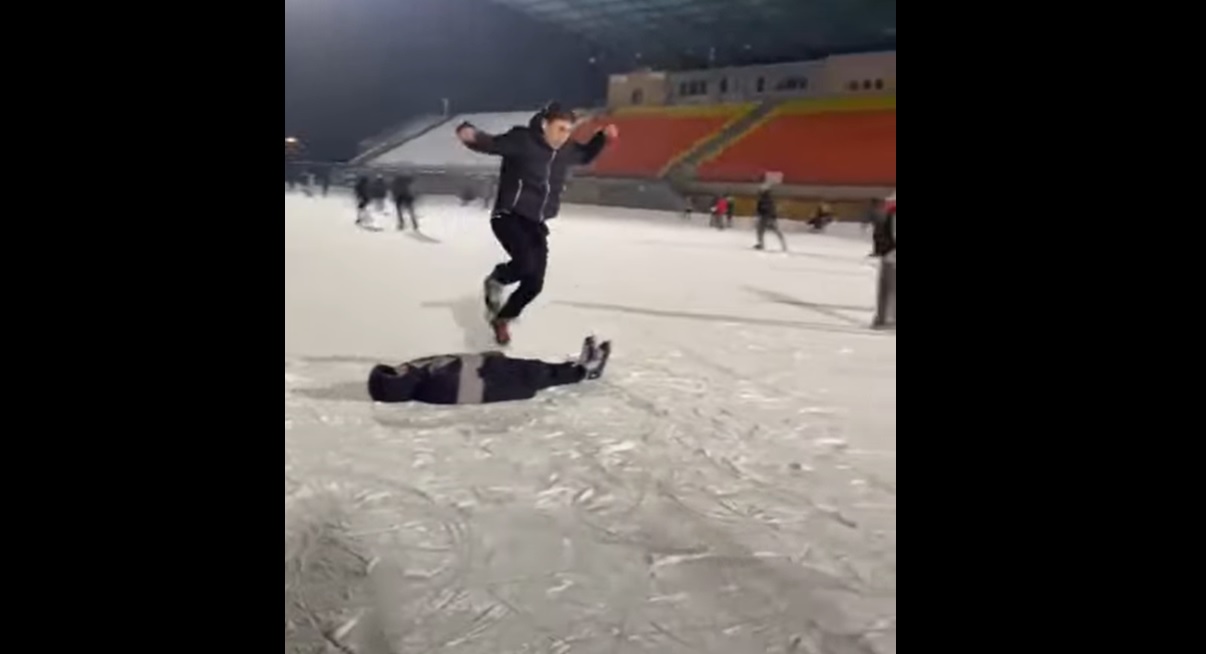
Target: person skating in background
x,y
885,250
404,201
822,217
361,190
768,219
536,161
731,208
482,378
874,212
379,191
720,208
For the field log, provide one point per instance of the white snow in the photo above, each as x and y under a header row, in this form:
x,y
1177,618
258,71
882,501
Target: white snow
x,y
728,487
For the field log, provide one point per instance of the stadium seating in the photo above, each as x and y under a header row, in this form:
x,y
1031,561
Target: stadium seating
x,y
440,149
651,139
843,141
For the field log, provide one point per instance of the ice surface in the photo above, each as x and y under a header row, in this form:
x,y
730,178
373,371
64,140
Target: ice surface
x,y
729,487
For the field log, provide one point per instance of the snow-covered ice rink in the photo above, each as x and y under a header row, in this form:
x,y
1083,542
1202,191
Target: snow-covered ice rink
x,y
729,487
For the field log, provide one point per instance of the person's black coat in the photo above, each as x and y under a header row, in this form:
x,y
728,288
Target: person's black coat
x,y
402,189
446,379
766,206
378,188
533,174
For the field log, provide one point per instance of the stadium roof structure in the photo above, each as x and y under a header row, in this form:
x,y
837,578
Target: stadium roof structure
x,y
677,34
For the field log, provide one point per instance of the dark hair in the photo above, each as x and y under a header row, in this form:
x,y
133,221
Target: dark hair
x,y
554,111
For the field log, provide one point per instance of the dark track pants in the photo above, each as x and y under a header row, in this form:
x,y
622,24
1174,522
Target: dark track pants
x,y
505,379
526,241
404,206
885,309
769,225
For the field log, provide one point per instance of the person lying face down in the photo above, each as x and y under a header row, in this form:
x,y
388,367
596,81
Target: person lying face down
x,y
482,378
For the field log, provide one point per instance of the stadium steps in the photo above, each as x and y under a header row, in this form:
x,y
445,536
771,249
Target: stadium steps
x,y
781,142
683,168
408,132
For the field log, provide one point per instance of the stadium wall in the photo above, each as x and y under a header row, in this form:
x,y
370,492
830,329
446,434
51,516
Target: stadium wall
x,y
838,75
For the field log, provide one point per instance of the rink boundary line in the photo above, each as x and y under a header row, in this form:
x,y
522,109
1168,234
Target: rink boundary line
x,y
719,318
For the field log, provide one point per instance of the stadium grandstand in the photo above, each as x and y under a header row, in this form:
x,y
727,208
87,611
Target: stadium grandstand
x,y
802,92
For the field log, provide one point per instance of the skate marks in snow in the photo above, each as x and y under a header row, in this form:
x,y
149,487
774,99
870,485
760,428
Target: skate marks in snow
x,y
849,328
620,516
835,311
376,568
343,392
794,433
729,247
422,238
327,580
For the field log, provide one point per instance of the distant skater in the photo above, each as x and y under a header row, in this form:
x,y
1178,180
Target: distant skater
x,y
720,209
884,238
536,161
404,201
379,191
361,191
483,378
822,218
768,219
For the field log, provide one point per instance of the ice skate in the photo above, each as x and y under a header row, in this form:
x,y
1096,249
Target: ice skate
x,y
502,331
594,357
493,294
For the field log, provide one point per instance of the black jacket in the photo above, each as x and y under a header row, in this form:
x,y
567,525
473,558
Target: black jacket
x,y
533,174
766,206
378,189
401,189
447,379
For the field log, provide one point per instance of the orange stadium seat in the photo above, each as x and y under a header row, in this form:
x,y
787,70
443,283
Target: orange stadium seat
x,y
842,148
651,140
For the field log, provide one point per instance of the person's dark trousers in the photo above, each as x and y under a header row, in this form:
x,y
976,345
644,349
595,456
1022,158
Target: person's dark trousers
x,y
506,379
769,225
885,306
526,241
406,205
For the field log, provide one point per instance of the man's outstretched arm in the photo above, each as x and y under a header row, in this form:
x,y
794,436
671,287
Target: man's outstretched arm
x,y
501,145
589,151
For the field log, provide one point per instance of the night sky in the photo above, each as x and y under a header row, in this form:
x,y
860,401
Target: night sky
x,y
356,67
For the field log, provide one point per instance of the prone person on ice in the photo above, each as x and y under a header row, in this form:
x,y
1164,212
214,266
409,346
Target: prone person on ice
x,y
482,378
